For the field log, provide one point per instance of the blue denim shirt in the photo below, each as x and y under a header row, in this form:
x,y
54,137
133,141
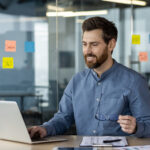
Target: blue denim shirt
x,y
94,103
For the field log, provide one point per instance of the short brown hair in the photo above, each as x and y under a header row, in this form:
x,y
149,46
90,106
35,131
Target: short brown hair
x,y
109,29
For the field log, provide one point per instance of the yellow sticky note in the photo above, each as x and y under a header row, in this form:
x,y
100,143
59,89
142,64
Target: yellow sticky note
x,y
135,39
10,46
8,63
143,56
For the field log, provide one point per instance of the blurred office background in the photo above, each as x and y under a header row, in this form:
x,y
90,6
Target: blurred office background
x,y
38,78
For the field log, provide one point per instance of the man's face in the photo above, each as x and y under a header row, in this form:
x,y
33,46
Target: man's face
x,y
95,50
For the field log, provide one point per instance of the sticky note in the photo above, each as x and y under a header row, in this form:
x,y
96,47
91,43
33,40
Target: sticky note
x,y
10,46
29,47
143,56
135,39
8,63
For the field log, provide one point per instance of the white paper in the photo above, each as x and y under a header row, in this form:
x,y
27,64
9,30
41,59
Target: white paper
x,y
98,141
145,147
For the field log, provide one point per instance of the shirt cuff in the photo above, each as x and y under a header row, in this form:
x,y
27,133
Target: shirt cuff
x,y
140,129
49,128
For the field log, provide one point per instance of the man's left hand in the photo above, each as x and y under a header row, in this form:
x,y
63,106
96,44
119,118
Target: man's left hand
x,y
127,123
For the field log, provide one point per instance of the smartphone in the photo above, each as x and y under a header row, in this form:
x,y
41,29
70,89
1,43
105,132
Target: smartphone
x,y
74,148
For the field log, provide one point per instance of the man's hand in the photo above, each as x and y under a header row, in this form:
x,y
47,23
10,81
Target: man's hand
x,y
37,131
127,123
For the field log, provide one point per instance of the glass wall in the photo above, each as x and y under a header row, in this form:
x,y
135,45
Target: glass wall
x,y
65,45
41,47
24,67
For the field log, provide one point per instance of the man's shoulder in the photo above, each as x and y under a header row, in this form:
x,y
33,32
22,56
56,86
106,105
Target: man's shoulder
x,y
126,71
82,74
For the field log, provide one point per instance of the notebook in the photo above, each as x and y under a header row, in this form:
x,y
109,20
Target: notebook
x,y
104,141
12,126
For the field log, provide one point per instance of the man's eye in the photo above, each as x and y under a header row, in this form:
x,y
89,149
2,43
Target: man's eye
x,y
94,44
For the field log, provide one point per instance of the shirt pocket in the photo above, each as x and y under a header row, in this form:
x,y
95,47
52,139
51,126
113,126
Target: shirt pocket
x,y
108,121
112,106
109,124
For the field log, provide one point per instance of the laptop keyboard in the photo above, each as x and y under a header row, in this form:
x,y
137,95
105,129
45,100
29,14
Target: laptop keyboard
x,y
39,139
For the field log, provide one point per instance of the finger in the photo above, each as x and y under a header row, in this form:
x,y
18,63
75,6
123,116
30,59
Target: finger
x,y
126,122
29,129
131,127
127,130
34,131
125,117
125,126
130,120
42,132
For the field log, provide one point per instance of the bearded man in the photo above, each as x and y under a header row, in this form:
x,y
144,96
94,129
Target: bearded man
x,y
107,98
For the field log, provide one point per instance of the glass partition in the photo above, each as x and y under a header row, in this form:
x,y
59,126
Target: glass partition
x,y
47,48
65,20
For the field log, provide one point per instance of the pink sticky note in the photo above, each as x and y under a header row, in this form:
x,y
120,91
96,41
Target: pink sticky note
x,y
10,46
143,56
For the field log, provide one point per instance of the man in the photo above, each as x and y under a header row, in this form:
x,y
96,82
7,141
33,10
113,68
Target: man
x,y
105,99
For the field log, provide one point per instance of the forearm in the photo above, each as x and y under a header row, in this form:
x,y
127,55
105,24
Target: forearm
x,y
143,129
63,119
58,125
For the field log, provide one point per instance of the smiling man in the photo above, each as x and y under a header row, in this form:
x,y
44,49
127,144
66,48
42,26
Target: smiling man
x,y
96,52
105,99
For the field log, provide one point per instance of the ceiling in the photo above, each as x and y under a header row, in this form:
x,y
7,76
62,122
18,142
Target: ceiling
x,y
38,7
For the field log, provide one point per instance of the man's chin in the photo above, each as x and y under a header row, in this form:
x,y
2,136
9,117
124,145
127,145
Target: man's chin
x,y
92,66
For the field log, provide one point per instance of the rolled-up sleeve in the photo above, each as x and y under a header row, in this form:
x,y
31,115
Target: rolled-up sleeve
x,y
140,106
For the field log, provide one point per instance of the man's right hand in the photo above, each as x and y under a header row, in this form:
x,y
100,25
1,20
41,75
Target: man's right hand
x,y
37,132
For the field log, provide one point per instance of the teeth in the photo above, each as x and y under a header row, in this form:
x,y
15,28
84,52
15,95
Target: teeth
x,y
90,58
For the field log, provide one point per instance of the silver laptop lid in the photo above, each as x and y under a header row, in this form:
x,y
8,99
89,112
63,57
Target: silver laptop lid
x,y
12,126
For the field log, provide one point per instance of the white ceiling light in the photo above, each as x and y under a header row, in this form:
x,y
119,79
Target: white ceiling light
x,y
62,14
88,13
55,8
134,2
74,14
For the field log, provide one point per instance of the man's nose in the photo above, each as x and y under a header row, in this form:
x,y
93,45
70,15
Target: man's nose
x,y
88,49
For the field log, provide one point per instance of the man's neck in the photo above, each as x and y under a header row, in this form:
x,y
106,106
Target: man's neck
x,y
104,67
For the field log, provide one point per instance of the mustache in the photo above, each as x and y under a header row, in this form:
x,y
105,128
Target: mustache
x,y
90,55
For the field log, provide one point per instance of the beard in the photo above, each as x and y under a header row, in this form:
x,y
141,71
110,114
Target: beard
x,y
99,60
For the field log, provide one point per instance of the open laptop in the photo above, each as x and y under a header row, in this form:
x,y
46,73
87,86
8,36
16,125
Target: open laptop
x,y
12,126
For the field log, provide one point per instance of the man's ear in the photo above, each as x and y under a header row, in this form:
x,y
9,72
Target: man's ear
x,y
111,45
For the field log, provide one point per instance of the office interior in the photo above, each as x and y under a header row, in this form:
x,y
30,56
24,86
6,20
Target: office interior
x,y
45,48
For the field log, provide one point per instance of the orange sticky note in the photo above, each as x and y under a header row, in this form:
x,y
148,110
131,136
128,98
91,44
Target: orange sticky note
x,y
143,56
8,63
10,46
135,39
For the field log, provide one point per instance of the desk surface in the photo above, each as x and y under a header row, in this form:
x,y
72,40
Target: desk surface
x,y
73,141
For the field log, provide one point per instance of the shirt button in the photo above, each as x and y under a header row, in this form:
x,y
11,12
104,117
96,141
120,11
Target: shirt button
x,y
94,131
98,83
96,115
94,73
97,99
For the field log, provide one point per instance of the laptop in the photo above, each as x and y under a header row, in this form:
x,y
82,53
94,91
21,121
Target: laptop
x,y
12,126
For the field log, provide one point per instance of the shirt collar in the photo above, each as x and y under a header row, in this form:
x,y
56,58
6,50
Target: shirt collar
x,y
113,67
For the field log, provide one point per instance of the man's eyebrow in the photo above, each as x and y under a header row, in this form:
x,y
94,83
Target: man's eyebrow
x,y
83,42
94,42
91,42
